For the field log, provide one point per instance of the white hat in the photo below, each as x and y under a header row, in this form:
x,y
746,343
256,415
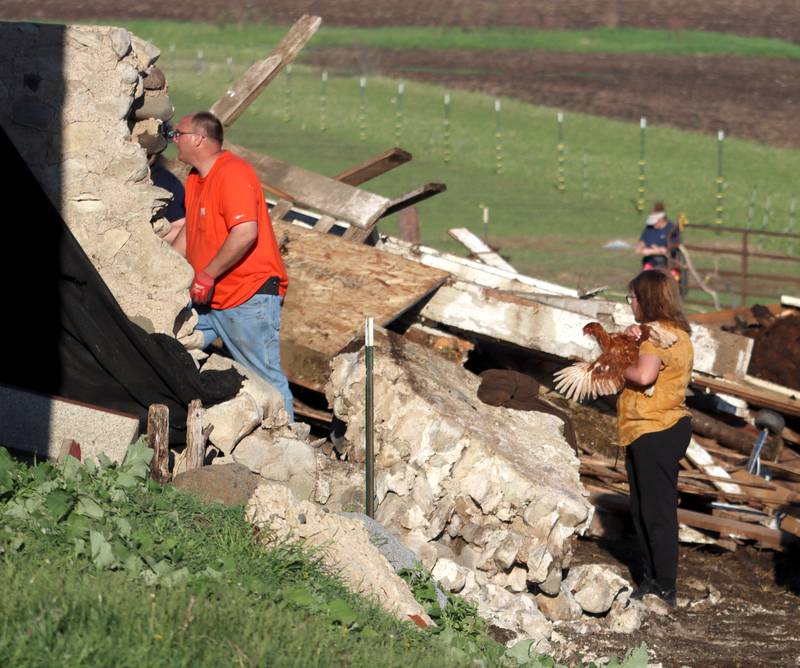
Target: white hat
x,y
653,218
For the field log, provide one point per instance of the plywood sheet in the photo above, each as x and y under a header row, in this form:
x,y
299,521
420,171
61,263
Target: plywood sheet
x,y
333,286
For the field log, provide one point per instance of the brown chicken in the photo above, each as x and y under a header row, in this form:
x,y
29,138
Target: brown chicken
x,y
605,374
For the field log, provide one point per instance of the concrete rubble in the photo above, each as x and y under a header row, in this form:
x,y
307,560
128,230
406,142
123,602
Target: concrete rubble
x,y
487,498
70,98
343,544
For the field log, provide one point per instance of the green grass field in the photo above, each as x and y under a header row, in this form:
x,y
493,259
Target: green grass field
x,y
550,234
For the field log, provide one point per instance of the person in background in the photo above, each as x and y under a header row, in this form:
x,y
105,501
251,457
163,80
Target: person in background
x,y
655,430
658,241
240,279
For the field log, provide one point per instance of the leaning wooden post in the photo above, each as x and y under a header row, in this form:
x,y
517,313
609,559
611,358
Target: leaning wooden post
x,y
369,460
195,436
158,438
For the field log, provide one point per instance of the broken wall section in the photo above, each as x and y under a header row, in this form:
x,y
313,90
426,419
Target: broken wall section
x,y
491,488
69,98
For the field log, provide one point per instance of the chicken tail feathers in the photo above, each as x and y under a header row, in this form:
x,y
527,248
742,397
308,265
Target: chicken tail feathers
x,y
575,382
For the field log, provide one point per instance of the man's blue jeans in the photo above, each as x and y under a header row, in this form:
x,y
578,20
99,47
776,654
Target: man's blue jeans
x,y
251,332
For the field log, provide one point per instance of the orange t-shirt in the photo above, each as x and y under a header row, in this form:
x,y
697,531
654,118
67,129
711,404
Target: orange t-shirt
x,y
228,195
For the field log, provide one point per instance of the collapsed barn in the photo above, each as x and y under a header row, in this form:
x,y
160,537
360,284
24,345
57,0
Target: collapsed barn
x,y
487,479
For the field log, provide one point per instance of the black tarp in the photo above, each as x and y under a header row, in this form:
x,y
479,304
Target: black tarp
x,y
64,333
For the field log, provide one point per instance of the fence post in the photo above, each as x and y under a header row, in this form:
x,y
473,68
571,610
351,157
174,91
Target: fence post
x,y
369,455
398,115
745,252
362,113
498,139
560,148
720,180
323,101
642,165
288,96
446,138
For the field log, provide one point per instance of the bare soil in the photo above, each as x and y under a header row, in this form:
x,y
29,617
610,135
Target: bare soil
x,y
757,621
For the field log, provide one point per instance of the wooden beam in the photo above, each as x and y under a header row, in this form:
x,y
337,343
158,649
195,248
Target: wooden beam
x,y
239,96
369,169
196,436
414,197
751,394
314,191
158,438
696,454
481,251
769,537
472,271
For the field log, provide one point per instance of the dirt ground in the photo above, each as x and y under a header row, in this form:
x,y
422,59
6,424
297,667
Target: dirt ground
x,y
757,621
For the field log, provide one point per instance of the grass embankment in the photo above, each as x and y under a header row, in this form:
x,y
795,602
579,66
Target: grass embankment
x,y
100,568
547,233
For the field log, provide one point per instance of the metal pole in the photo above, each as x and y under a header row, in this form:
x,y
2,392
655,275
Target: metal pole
x,y
362,114
369,461
498,139
323,102
288,116
720,180
398,124
561,158
446,142
485,224
642,165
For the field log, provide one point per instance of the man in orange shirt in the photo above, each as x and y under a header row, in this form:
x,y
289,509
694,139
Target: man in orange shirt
x,y
239,280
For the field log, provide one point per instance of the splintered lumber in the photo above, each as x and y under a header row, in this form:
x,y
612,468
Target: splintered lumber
x,y
471,271
774,538
481,251
158,439
414,197
314,191
196,436
333,286
369,169
752,395
242,93
696,454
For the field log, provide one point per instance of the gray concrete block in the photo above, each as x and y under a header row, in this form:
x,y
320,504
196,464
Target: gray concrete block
x,y
39,423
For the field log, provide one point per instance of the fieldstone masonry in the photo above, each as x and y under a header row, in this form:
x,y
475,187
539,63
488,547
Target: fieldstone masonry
x,y
70,98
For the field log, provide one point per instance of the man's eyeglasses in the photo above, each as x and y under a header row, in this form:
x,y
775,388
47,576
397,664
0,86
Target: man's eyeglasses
x,y
173,134
629,299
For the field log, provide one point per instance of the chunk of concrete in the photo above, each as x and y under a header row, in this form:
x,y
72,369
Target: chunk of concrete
x,y
231,484
595,587
343,544
232,421
39,423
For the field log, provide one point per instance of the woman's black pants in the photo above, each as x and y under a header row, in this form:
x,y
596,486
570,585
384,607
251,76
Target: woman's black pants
x,y
652,465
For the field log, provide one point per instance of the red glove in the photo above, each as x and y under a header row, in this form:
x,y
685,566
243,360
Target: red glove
x,y
202,288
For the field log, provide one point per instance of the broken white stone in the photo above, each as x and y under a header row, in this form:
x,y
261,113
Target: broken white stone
x,y
232,421
595,587
450,467
284,460
268,400
625,615
74,135
342,542
450,575
562,607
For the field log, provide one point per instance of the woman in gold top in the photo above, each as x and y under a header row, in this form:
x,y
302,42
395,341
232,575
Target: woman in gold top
x,y
656,430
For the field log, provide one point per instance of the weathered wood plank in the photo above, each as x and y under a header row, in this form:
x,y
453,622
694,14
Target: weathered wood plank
x,y
696,454
333,286
471,271
752,395
314,191
479,249
414,197
196,436
158,438
369,169
239,96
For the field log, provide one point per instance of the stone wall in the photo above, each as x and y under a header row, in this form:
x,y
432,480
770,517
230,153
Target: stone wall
x,y
70,97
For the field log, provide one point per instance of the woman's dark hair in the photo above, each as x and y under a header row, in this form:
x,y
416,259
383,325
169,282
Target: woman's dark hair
x,y
658,298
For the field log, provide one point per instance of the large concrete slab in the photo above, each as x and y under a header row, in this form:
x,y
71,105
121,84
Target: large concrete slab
x,y
555,327
38,423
